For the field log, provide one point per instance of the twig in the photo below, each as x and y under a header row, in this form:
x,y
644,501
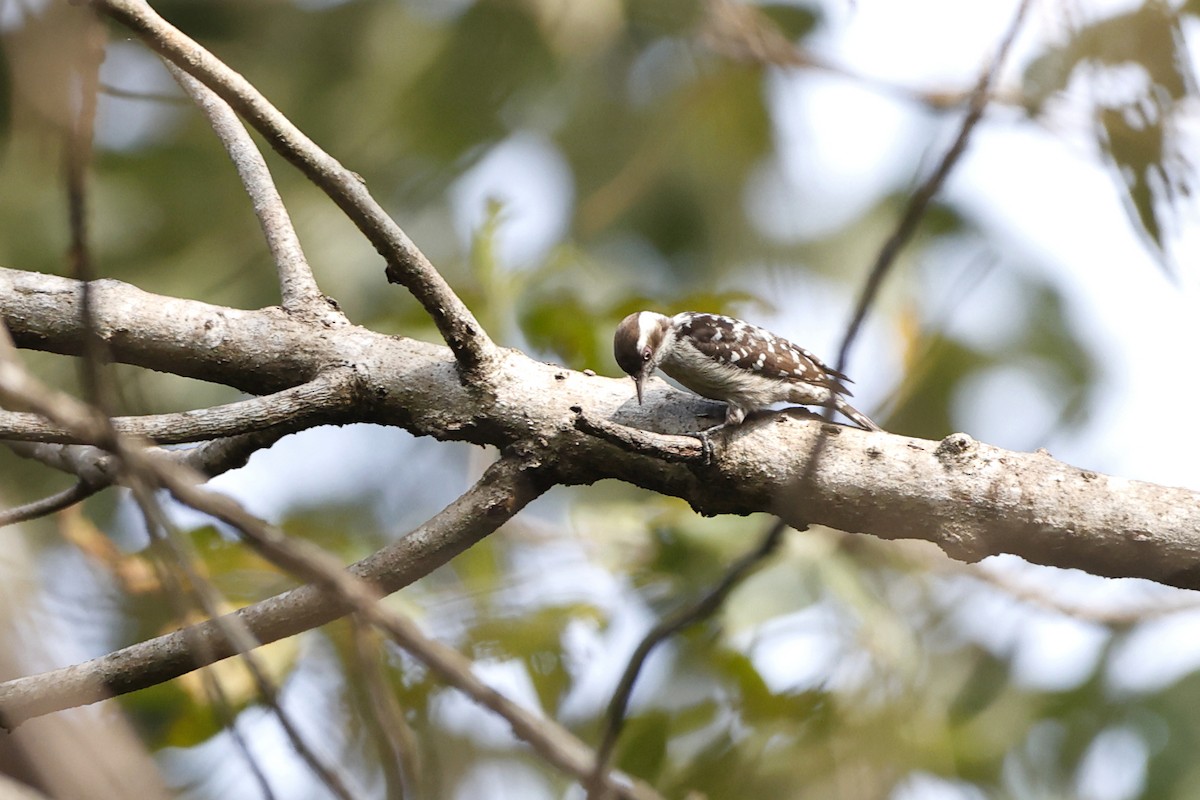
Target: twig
x,y
78,159
919,201
636,440
49,505
239,741
143,468
99,390
98,468
321,399
338,592
689,614
398,751
407,265
297,287
149,97
554,743
321,569
213,689
1126,616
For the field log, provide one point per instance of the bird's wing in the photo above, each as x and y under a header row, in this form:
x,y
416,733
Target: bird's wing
x,y
746,346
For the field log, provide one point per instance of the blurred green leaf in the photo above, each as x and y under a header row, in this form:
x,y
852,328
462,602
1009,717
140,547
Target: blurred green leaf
x,y
493,54
642,748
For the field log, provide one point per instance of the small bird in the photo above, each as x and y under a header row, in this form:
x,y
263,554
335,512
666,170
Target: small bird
x,y
726,359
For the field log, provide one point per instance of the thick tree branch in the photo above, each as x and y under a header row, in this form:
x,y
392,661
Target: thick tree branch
x,y
971,499
297,287
407,265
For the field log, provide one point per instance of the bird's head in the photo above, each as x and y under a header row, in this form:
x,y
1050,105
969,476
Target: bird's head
x,y
638,345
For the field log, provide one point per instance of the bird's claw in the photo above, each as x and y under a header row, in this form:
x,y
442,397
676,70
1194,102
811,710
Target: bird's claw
x,y
706,442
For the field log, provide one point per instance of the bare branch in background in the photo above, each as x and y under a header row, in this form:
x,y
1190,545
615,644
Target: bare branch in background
x,y
505,488
407,265
399,756
918,201
215,692
49,505
297,287
700,609
143,478
79,148
742,32
553,742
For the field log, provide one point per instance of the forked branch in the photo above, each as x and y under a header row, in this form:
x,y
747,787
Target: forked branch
x,y
407,265
297,288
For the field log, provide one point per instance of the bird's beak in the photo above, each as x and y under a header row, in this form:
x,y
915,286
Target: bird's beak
x,y
638,380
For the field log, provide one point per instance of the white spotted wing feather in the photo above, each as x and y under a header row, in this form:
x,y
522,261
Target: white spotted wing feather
x,y
746,366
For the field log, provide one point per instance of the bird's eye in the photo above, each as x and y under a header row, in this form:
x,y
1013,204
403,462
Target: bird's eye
x,y
646,354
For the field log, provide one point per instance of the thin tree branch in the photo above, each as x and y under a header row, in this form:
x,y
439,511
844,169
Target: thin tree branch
x,y
213,689
82,490
554,743
407,265
699,609
149,97
919,201
320,400
98,468
742,32
297,287
505,488
78,150
398,749
702,608
143,478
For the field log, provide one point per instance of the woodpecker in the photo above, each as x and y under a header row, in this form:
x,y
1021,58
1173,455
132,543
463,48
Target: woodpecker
x,y
726,359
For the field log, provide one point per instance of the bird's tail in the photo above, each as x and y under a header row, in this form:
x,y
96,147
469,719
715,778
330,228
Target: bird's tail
x,y
854,415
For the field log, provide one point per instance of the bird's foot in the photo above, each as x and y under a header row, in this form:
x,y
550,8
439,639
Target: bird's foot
x,y
706,443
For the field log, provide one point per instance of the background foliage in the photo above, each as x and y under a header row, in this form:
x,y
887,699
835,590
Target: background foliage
x,y
564,164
